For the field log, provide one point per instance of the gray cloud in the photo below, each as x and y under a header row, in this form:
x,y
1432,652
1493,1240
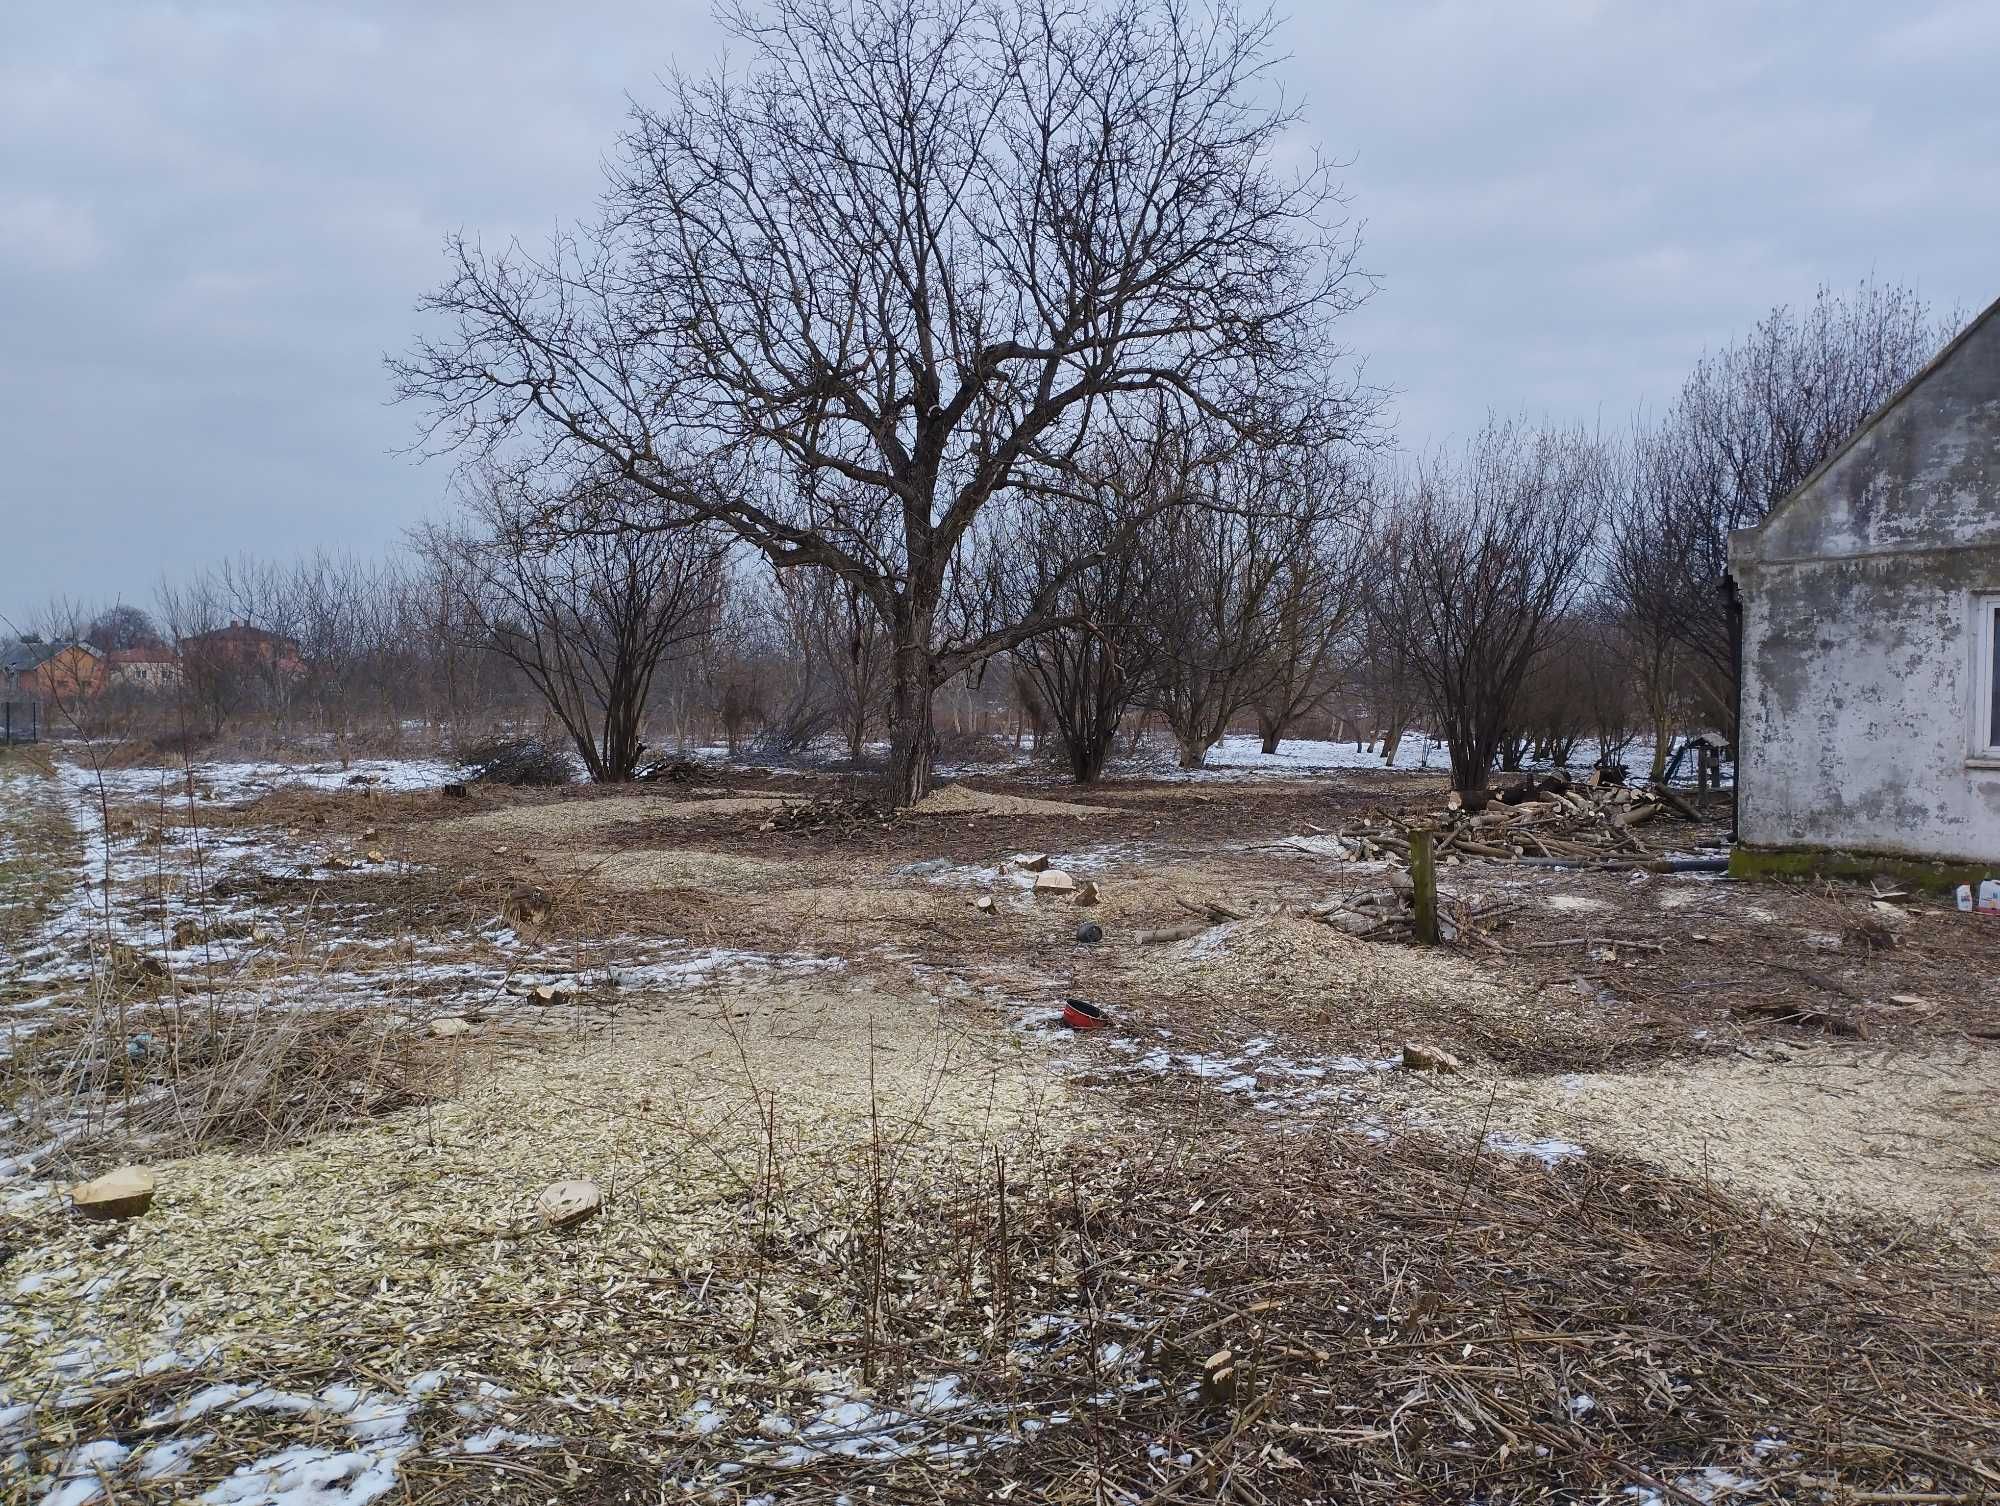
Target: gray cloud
x,y
214,219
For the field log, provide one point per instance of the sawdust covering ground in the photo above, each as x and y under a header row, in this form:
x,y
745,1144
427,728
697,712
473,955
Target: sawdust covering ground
x,y
1885,1132
412,1241
1288,953
569,818
639,870
961,800
843,903
1216,793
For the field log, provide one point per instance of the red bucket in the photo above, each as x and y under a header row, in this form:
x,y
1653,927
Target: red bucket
x,y
1081,1014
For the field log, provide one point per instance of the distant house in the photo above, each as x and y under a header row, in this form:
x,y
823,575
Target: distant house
x,y
152,668
242,645
54,669
1870,714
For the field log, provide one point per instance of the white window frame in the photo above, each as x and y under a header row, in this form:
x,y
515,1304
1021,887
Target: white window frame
x,y
1982,748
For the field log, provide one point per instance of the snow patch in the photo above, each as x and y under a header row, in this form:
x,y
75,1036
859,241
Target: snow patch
x,y
1548,1152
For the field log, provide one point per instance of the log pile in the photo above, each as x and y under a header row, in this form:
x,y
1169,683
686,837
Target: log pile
x,y
1540,820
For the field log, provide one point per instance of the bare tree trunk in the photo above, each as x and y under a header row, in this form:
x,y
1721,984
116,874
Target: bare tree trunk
x,y
1272,729
913,736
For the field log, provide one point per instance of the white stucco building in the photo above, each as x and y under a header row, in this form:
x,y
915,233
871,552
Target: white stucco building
x,y
1871,619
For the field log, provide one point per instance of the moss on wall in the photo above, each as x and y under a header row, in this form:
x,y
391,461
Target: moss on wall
x,y
1815,862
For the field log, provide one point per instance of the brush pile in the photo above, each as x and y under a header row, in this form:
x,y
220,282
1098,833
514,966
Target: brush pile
x,y
811,815
672,771
525,762
1547,819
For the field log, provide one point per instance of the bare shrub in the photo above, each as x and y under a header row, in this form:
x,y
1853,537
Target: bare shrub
x,y
1488,550
588,618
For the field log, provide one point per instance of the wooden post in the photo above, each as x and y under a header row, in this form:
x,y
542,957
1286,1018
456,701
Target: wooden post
x,y
1423,878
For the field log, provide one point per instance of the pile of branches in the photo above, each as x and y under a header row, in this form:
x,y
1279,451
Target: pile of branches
x,y
1547,820
811,815
524,761
670,771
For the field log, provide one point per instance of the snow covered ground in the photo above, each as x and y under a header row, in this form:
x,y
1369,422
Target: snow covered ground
x,y
1240,756
191,902
232,781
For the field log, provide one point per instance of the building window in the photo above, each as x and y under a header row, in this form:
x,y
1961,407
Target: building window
x,y
1986,677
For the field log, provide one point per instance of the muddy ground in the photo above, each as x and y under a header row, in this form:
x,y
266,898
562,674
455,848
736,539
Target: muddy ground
x,y
875,1220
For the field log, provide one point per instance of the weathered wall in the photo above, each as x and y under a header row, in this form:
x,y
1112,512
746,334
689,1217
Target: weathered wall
x,y
1857,647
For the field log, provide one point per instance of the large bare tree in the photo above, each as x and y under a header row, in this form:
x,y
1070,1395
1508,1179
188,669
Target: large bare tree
x,y
900,262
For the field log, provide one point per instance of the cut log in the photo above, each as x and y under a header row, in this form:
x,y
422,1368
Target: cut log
x,y
1428,1058
562,1204
124,1193
1674,803
1470,801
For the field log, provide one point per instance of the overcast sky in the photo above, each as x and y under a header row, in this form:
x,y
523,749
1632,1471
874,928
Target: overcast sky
x,y
215,219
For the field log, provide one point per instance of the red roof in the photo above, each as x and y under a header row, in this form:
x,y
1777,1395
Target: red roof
x,y
147,655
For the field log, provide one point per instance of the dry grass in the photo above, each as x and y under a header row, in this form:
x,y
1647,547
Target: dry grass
x,y
1417,1322
742,1137
37,846
129,1080
1407,1321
